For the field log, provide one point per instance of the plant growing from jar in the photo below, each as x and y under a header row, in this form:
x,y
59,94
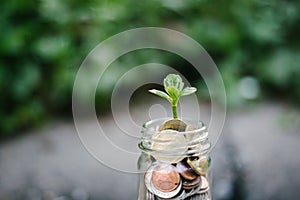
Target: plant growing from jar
x,y
175,89
174,152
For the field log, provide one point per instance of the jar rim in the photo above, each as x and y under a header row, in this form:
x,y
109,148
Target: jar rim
x,y
199,125
197,138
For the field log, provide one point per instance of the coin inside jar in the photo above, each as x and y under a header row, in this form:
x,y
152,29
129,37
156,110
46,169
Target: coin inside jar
x,y
191,184
204,186
174,124
186,171
204,183
171,141
199,165
166,195
165,177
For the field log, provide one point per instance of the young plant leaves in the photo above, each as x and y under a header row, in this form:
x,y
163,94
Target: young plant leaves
x,y
173,85
161,94
188,91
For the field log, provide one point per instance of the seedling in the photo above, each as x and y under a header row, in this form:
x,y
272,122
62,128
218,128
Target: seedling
x,y
174,88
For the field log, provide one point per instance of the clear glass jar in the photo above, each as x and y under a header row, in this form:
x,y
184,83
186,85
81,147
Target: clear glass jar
x,y
174,161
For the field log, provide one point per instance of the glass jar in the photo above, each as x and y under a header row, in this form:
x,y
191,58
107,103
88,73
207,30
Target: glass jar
x,y
174,161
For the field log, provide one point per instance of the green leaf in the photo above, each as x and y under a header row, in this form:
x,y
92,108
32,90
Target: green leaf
x,y
188,91
161,94
174,87
173,80
173,92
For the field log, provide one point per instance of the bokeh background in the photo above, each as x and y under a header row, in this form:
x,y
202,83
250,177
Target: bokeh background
x,y
254,43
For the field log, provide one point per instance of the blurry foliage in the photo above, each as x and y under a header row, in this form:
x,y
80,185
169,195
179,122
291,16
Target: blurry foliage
x,y
43,42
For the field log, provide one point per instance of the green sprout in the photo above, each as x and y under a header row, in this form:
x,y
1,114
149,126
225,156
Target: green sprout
x,y
174,87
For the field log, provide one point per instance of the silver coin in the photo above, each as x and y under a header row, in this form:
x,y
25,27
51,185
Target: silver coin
x,y
185,194
203,191
149,195
148,176
199,197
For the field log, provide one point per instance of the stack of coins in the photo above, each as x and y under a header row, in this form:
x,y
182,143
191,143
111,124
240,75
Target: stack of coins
x,y
174,181
191,180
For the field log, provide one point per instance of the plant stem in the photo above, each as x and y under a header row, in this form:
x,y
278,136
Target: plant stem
x,y
174,110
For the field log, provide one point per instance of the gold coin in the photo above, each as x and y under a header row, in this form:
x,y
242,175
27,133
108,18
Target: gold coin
x,y
173,124
190,128
191,136
199,165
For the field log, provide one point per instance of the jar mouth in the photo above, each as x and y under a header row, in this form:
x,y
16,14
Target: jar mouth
x,y
153,125
172,142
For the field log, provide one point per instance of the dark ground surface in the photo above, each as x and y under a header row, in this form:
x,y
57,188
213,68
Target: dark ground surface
x,y
257,157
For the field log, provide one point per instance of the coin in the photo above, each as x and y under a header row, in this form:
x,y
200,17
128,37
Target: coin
x,y
203,196
150,195
191,184
199,165
203,191
168,142
190,128
165,178
204,186
148,176
204,183
166,195
186,171
190,187
174,124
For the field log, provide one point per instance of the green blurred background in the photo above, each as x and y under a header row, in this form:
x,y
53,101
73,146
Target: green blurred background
x,y
254,43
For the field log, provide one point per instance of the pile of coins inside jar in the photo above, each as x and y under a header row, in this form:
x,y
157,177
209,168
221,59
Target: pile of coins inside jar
x,y
176,177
